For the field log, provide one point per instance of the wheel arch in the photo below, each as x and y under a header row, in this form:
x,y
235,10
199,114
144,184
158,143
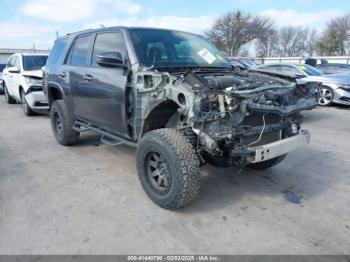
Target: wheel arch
x,y
159,116
54,92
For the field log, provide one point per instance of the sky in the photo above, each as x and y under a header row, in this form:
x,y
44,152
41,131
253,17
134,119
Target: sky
x,y
24,22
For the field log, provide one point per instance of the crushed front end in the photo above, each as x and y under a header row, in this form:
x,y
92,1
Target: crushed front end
x,y
229,120
241,121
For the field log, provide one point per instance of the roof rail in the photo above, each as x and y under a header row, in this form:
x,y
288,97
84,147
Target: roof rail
x,y
81,31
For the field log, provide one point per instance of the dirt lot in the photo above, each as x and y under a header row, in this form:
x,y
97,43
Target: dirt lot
x,y
87,199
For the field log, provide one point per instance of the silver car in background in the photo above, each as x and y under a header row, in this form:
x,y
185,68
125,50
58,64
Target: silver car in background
x,y
335,88
334,68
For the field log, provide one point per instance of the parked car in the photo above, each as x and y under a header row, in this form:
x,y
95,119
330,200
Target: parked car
x,y
22,81
2,66
241,66
315,61
173,96
334,68
334,88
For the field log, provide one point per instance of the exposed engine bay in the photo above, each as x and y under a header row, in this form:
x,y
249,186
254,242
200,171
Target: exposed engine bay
x,y
227,118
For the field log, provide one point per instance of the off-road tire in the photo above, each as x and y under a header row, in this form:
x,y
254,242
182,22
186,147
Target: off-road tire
x,y
66,135
26,109
268,163
8,98
182,163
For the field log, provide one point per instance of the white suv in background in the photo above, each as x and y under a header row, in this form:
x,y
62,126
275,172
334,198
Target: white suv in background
x,y
22,82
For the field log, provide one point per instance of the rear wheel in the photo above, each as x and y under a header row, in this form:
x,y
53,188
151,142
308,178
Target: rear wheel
x,y
8,98
326,96
62,124
268,163
168,168
26,109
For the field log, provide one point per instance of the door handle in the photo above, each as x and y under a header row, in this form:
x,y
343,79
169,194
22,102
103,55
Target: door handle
x,y
63,75
87,78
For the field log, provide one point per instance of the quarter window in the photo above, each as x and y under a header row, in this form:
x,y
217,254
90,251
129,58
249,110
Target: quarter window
x,y
11,62
108,42
56,50
80,51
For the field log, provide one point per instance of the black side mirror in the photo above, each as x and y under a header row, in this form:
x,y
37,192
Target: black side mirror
x,y
13,69
110,59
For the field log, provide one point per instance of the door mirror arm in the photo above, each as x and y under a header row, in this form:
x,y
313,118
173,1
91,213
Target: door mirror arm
x,y
13,69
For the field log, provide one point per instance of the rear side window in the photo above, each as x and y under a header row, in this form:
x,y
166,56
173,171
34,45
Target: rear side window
x,y
108,42
80,51
56,50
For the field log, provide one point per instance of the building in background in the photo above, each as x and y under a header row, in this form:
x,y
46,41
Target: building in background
x,y
5,53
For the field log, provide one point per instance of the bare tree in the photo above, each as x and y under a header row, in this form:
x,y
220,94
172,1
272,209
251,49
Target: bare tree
x,y
311,42
266,45
291,41
236,29
336,37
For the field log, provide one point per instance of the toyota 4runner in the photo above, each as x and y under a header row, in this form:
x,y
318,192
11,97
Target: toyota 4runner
x,y
176,98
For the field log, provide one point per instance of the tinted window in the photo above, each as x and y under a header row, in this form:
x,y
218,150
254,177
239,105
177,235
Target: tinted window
x,y
108,42
80,51
34,62
165,48
309,70
57,50
2,66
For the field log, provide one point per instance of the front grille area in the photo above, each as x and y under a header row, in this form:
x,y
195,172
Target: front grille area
x,y
345,99
256,119
40,104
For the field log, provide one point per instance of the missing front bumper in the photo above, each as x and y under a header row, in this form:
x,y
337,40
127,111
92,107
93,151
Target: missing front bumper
x,y
37,100
278,148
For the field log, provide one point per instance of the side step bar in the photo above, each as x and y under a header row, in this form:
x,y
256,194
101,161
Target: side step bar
x,y
106,137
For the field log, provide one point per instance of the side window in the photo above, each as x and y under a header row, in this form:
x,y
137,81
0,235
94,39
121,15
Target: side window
x,y
274,68
18,63
14,61
56,50
289,70
108,42
80,51
10,63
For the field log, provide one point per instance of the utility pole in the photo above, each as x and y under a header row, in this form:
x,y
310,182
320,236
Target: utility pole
x,y
34,47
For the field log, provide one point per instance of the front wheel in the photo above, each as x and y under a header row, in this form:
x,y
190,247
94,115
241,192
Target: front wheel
x,y
26,109
62,124
326,96
268,163
8,98
167,166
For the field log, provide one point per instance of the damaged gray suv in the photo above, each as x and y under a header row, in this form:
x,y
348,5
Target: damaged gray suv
x,y
175,97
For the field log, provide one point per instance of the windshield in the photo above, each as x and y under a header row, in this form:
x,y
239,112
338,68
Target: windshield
x,y
165,48
31,62
309,70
